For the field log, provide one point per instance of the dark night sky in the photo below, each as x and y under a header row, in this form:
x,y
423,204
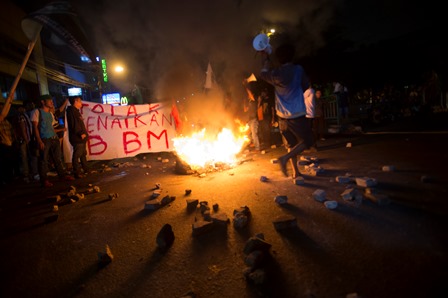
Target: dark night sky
x,y
167,44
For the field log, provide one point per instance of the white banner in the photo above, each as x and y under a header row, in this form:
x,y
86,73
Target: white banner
x,y
125,131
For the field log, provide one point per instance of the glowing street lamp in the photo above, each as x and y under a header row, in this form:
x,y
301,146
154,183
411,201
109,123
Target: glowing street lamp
x,y
272,31
119,68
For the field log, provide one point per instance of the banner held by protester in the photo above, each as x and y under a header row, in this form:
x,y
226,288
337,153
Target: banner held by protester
x,y
125,131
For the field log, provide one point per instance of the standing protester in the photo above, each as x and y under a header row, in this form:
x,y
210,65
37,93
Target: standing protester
x,y
319,120
289,81
6,150
310,102
32,109
57,114
251,109
78,136
48,142
341,93
23,131
267,112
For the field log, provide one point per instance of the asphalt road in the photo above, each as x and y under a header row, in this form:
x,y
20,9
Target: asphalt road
x,y
392,250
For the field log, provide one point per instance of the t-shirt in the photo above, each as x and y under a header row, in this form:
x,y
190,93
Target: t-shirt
x,y
45,120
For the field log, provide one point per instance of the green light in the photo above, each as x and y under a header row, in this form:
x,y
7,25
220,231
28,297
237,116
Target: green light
x,y
104,67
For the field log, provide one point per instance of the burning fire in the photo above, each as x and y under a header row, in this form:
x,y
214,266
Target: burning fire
x,y
201,150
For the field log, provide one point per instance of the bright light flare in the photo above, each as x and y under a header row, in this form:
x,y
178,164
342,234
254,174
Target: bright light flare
x,y
201,150
119,68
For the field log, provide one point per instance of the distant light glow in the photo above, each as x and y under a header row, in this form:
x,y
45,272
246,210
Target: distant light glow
x,y
119,68
85,59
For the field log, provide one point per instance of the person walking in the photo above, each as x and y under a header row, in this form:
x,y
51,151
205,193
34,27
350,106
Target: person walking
x,y
289,81
78,136
48,142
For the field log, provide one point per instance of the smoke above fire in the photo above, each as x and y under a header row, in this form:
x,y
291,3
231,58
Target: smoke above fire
x,y
167,45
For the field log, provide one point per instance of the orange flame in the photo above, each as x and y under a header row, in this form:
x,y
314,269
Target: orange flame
x,y
201,150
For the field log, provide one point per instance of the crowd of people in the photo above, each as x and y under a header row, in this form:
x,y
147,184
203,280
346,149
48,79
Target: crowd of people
x,y
31,142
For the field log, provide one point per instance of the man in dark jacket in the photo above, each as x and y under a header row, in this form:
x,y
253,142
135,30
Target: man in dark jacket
x,y
78,136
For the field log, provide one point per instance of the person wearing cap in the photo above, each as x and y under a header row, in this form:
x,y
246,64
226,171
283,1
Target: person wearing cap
x,y
289,81
48,142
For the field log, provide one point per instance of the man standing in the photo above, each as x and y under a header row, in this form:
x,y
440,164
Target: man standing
x,y
310,103
23,130
289,81
78,136
48,142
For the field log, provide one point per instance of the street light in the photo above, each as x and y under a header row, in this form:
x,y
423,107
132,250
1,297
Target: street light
x,y
119,68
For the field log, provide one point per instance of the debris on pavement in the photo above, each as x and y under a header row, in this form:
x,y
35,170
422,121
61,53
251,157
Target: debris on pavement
x,y
319,195
165,237
105,257
283,222
241,217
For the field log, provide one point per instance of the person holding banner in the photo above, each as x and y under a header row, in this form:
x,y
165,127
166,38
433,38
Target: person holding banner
x,y
78,136
48,142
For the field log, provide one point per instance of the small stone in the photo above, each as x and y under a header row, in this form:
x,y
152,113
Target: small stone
x,y
348,194
167,199
201,227
215,207
256,243
263,179
55,208
220,218
105,258
254,259
319,195
283,222
165,237
112,196
388,168
153,204
281,200
349,145
240,220
299,181
366,182
331,204
343,179
187,192
274,160
192,203
155,193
